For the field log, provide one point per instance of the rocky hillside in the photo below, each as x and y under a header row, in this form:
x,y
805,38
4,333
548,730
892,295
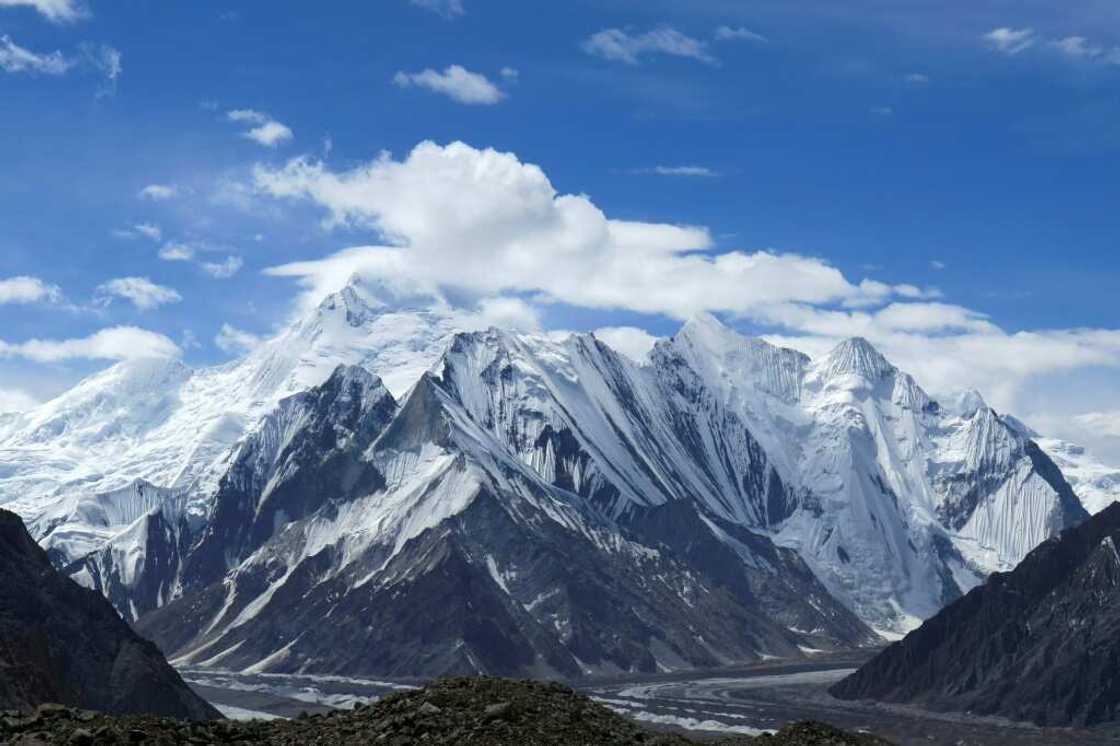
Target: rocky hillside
x,y
63,643
1041,643
484,712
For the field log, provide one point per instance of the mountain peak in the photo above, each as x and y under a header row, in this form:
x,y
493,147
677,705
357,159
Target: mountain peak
x,y
855,356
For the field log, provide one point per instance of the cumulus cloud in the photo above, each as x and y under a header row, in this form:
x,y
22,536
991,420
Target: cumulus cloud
x,y
144,294
158,192
234,341
484,222
23,289
1011,41
738,33
447,8
631,341
56,11
455,82
223,270
618,45
114,343
263,130
17,59
457,221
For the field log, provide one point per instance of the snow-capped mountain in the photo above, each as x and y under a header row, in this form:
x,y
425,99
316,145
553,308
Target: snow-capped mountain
x,y
423,544
902,504
163,424
327,471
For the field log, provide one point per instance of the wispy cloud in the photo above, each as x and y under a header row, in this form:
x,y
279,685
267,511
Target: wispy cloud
x,y
447,8
144,294
233,340
733,33
1011,41
176,252
624,46
56,11
158,192
223,270
146,230
17,59
264,131
702,171
455,82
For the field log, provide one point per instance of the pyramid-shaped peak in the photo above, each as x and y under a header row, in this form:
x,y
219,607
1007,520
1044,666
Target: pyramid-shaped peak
x,y
856,356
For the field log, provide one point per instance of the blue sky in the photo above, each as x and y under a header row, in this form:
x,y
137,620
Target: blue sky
x,y
962,156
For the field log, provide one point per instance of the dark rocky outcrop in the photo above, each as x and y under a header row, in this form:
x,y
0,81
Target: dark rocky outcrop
x,y
483,712
65,644
1041,643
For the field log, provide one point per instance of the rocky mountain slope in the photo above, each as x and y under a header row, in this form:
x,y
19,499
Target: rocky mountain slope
x,y
1039,643
805,489
64,644
486,712
422,545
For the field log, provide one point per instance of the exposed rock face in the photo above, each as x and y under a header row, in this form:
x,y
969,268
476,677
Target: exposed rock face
x,y
62,643
455,556
481,712
1041,643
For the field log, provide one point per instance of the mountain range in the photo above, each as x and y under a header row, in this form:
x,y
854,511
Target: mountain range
x,y
381,489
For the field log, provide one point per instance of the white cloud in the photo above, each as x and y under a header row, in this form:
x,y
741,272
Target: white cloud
x,y
56,11
456,82
937,264
106,60
267,131
455,221
917,79
729,33
24,289
1103,424
17,59
158,192
114,343
512,74
147,230
1011,41
140,291
176,252
15,400
631,341
233,340
678,171
623,46
223,270
447,8
1078,48
484,222
508,312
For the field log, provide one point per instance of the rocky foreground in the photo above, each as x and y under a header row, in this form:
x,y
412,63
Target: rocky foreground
x,y
452,711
